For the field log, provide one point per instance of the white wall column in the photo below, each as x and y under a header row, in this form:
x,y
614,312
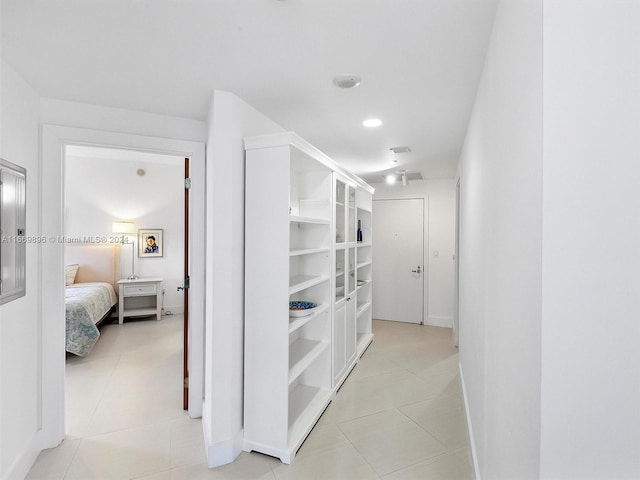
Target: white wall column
x,y
590,412
230,120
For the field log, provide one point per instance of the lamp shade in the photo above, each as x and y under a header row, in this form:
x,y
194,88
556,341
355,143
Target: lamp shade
x,y
124,228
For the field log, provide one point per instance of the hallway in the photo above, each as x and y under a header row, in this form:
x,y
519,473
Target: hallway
x,y
398,416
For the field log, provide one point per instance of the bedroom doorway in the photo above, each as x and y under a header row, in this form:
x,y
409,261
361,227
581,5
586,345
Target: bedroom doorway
x,y
148,192
54,141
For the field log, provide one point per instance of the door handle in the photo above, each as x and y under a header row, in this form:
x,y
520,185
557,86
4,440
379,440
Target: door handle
x,y
419,270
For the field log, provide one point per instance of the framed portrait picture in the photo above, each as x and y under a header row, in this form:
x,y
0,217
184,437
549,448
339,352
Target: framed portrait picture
x,y
149,243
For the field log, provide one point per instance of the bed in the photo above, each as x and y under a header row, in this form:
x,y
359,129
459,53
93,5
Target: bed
x,y
90,297
86,306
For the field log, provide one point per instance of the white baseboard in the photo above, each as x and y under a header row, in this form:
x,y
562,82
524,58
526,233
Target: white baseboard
x,y
174,309
439,321
220,453
21,466
472,443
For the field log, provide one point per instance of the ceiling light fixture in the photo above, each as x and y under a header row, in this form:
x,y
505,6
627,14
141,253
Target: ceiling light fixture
x,y
347,80
402,176
372,122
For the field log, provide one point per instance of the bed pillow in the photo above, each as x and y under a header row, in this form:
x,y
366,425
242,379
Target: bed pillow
x,y
70,274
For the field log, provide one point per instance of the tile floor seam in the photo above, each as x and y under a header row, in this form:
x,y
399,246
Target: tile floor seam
x,y
104,389
75,454
405,467
429,459
361,417
427,432
362,455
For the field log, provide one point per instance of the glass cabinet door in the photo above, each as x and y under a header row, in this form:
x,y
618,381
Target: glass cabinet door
x,y
340,216
352,270
351,225
341,272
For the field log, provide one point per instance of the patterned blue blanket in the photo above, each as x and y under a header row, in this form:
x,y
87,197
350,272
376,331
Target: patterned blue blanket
x,y
86,303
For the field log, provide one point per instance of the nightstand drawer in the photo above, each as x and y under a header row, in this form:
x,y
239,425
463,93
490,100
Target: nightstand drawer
x,y
132,290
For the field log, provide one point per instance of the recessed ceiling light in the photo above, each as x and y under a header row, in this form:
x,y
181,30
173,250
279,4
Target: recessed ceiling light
x,y
347,80
372,122
390,178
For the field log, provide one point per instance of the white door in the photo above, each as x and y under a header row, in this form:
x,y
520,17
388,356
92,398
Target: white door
x,y
398,270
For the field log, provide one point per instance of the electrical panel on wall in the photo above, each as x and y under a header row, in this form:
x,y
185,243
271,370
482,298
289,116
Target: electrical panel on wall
x,y
12,231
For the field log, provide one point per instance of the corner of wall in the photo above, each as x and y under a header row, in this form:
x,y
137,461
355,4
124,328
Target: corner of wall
x,y
220,453
230,120
440,321
471,443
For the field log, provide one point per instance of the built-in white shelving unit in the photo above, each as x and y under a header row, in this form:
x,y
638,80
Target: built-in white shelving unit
x,y
291,252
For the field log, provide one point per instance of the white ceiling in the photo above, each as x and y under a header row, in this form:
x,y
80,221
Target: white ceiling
x,y
420,61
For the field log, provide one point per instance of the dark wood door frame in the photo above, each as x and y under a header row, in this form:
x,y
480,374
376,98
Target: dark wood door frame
x,y
185,354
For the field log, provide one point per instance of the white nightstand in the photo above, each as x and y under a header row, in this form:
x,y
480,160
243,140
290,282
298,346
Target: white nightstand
x,y
138,289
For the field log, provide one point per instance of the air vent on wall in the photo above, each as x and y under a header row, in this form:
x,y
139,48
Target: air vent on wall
x,y
400,149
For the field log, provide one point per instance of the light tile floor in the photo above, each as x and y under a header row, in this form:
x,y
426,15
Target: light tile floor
x,y
398,416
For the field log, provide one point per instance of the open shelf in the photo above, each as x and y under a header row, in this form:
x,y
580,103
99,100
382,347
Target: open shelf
x,y
363,264
362,307
139,311
307,251
302,353
306,404
313,208
302,282
297,322
299,219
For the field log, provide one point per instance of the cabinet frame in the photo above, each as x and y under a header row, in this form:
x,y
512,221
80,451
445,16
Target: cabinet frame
x,y
289,255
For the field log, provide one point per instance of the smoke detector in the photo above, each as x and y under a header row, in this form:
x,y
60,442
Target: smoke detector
x,y
347,80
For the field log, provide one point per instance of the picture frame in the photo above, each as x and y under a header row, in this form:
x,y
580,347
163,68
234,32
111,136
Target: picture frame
x,y
150,243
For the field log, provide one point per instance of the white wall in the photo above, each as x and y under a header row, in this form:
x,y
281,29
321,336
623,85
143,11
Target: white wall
x,y
20,326
440,235
230,120
591,333
95,117
99,191
500,249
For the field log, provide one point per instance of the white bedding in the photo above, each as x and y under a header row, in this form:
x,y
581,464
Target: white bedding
x,y
86,304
